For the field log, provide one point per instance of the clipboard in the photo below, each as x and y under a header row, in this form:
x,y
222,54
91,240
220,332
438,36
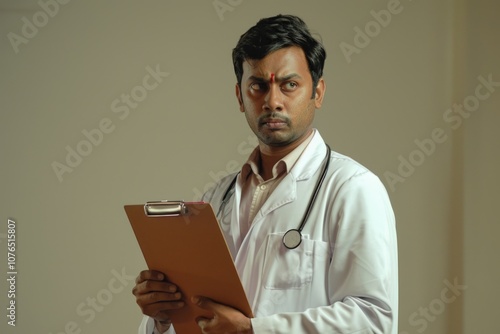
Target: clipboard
x,y
184,241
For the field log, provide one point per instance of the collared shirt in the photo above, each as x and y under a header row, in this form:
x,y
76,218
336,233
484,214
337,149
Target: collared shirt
x,y
255,190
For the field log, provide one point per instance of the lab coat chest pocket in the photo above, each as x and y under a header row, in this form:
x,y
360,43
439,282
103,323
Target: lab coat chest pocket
x,y
288,268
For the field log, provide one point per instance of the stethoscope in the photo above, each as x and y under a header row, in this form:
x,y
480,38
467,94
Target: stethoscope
x,y
292,237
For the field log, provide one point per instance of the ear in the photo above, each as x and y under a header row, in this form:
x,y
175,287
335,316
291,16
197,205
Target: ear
x,y
319,93
238,97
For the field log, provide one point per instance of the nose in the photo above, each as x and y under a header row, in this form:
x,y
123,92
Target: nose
x,y
273,100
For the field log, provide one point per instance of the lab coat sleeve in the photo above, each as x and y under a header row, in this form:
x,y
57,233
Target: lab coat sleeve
x,y
362,280
148,327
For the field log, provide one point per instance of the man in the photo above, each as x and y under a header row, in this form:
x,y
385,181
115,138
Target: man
x,y
339,275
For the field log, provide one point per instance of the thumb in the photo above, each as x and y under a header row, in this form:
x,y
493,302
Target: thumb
x,y
206,304
203,302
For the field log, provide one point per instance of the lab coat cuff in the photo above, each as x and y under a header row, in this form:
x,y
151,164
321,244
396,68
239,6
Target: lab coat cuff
x,y
148,327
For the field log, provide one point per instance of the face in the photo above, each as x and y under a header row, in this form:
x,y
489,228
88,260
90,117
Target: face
x,y
275,95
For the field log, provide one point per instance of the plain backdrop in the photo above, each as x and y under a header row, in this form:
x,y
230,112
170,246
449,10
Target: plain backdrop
x,y
66,70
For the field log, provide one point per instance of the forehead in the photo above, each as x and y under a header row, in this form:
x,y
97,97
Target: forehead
x,y
280,62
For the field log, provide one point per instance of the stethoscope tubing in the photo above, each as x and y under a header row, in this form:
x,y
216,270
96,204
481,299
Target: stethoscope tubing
x,y
312,200
293,237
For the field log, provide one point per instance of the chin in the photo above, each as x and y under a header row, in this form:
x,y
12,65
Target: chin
x,y
276,141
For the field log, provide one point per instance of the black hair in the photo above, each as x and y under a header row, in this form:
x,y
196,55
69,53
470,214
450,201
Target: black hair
x,y
274,33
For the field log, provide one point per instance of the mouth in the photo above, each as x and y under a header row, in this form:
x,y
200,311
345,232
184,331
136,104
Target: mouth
x,y
274,123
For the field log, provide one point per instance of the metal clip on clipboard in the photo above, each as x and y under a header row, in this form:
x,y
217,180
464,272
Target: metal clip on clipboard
x,y
165,208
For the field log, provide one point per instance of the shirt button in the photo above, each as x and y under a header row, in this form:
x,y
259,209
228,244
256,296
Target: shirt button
x,y
262,187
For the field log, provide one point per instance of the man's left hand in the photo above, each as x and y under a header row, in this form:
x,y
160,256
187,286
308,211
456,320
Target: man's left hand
x,y
226,319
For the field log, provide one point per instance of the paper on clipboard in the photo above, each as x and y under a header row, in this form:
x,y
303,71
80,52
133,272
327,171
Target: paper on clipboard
x,y
184,241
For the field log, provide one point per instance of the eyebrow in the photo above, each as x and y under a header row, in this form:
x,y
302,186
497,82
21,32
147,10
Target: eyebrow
x,y
276,78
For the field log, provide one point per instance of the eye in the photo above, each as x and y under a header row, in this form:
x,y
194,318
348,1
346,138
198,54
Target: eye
x,y
258,86
289,86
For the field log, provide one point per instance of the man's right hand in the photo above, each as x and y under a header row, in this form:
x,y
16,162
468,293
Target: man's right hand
x,y
157,297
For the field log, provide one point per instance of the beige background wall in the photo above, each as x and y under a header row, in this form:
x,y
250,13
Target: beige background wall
x,y
76,255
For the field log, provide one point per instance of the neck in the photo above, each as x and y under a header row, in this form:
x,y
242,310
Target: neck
x,y
270,155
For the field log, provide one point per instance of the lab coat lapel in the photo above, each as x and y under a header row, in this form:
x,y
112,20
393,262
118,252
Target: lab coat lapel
x,y
286,191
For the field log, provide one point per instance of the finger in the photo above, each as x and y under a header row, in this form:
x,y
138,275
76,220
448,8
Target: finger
x,y
146,275
161,310
150,286
158,297
206,303
147,287
200,301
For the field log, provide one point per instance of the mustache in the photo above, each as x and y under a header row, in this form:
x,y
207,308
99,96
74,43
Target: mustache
x,y
275,116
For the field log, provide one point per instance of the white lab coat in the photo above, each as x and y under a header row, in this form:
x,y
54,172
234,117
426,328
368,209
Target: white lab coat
x,y
343,278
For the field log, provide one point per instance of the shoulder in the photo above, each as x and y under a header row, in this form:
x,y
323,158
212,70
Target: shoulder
x,y
346,167
357,194
347,173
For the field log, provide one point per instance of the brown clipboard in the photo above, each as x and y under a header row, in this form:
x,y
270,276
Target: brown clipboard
x,y
184,241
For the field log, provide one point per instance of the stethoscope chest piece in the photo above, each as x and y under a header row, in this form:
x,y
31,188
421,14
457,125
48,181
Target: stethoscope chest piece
x,y
292,239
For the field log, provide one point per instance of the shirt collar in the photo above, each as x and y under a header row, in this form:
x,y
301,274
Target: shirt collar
x,y
284,165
